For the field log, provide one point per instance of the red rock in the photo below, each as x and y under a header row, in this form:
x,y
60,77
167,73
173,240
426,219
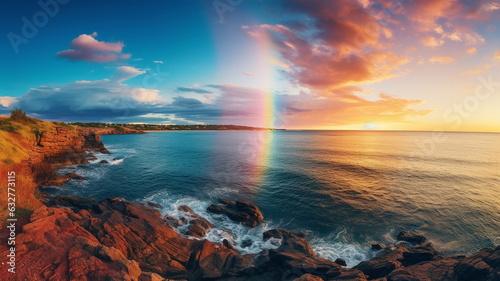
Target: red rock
x,y
245,213
198,226
411,236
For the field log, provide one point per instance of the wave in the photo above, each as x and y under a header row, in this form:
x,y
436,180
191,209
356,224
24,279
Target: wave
x,y
116,161
240,236
337,245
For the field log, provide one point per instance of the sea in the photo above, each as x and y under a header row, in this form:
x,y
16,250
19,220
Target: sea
x,y
345,189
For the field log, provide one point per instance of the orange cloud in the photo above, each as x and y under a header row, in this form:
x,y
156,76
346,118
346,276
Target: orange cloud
x,y
471,50
309,110
431,41
441,59
306,111
342,47
496,56
344,24
323,67
425,13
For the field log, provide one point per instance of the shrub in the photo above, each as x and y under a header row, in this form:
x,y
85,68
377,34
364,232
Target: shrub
x,y
18,115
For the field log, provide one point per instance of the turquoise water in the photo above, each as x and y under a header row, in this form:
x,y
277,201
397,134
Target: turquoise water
x,y
346,188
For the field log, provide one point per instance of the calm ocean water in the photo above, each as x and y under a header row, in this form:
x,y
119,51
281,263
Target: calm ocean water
x,y
346,188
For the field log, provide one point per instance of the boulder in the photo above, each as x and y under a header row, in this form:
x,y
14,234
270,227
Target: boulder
x,y
246,243
341,261
291,242
198,226
245,213
91,157
419,254
227,244
411,236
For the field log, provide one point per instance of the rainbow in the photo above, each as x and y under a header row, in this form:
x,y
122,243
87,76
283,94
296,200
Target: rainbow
x,y
257,149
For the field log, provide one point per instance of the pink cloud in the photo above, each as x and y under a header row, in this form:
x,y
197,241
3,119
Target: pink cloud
x,y
87,48
309,110
344,45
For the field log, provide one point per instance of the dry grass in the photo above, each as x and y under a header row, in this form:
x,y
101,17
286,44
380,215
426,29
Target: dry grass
x,y
17,138
26,194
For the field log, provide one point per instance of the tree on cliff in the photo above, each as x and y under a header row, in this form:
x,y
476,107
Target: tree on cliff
x,y
18,115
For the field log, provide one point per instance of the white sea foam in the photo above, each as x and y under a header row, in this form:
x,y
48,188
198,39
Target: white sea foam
x,y
336,245
330,247
116,161
224,228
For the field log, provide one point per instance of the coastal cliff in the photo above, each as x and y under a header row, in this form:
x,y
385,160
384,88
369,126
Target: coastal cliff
x,y
70,238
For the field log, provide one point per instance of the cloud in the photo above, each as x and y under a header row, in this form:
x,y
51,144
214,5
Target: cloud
x,y
425,13
471,50
87,48
441,59
194,90
496,56
126,72
110,100
249,73
167,119
308,110
158,61
344,25
326,56
106,97
7,101
431,41
186,102
341,46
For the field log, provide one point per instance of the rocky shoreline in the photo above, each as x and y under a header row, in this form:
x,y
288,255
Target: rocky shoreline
x,y
71,238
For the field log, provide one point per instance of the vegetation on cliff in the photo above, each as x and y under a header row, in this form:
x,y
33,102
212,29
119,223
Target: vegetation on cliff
x,y
18,135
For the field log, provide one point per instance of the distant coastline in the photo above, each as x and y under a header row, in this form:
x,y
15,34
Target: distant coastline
x,y
158,127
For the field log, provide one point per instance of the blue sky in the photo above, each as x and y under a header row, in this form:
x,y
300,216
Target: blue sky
x,y
295,64
177,34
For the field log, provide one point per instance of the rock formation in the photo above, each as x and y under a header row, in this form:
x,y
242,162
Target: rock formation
x,y
245,213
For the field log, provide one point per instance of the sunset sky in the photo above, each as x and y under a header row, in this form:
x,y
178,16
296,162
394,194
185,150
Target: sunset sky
x,y
299,64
